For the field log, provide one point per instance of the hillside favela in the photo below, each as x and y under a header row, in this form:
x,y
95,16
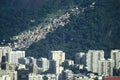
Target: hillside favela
x,y
59,39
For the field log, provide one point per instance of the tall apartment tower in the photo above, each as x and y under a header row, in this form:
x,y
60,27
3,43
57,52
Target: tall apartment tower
x,y
93,56
3,51
115,55
56,59
58,56
105,67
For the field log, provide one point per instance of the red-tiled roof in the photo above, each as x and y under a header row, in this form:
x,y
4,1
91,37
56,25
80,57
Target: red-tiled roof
x,y
112,78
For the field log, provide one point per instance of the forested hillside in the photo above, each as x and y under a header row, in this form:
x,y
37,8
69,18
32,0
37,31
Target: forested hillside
x,y
97,28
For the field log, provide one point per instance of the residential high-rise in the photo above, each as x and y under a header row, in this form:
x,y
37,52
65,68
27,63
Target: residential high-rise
x,y
58,56
93,56
56,59
115,55
13,56
105,67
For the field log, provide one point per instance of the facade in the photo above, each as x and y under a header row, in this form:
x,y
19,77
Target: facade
x,y
21,66
33,76
52,65
33,68
55,67
27,60
5,77
93,56
13,56
105,67
11,66
4,51
58,56
8,75
23,74
43,63
24,60
115,55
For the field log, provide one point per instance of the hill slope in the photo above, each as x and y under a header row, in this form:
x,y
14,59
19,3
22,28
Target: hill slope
x,y
97,28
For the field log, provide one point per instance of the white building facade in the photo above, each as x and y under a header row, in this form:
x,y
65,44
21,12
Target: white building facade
x,y
93,56
13,56
115,55
58,56
105,67
8,75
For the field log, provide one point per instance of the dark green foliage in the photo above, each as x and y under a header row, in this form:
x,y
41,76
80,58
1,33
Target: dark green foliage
x,y
16,18
97,28
94,29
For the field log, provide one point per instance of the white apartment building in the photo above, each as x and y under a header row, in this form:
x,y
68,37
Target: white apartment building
x,y
105,67
93,56
58,56
8,75
115,55
13,56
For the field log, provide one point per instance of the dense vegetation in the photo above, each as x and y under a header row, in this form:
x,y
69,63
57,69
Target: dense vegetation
x,y
16,15
97,28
